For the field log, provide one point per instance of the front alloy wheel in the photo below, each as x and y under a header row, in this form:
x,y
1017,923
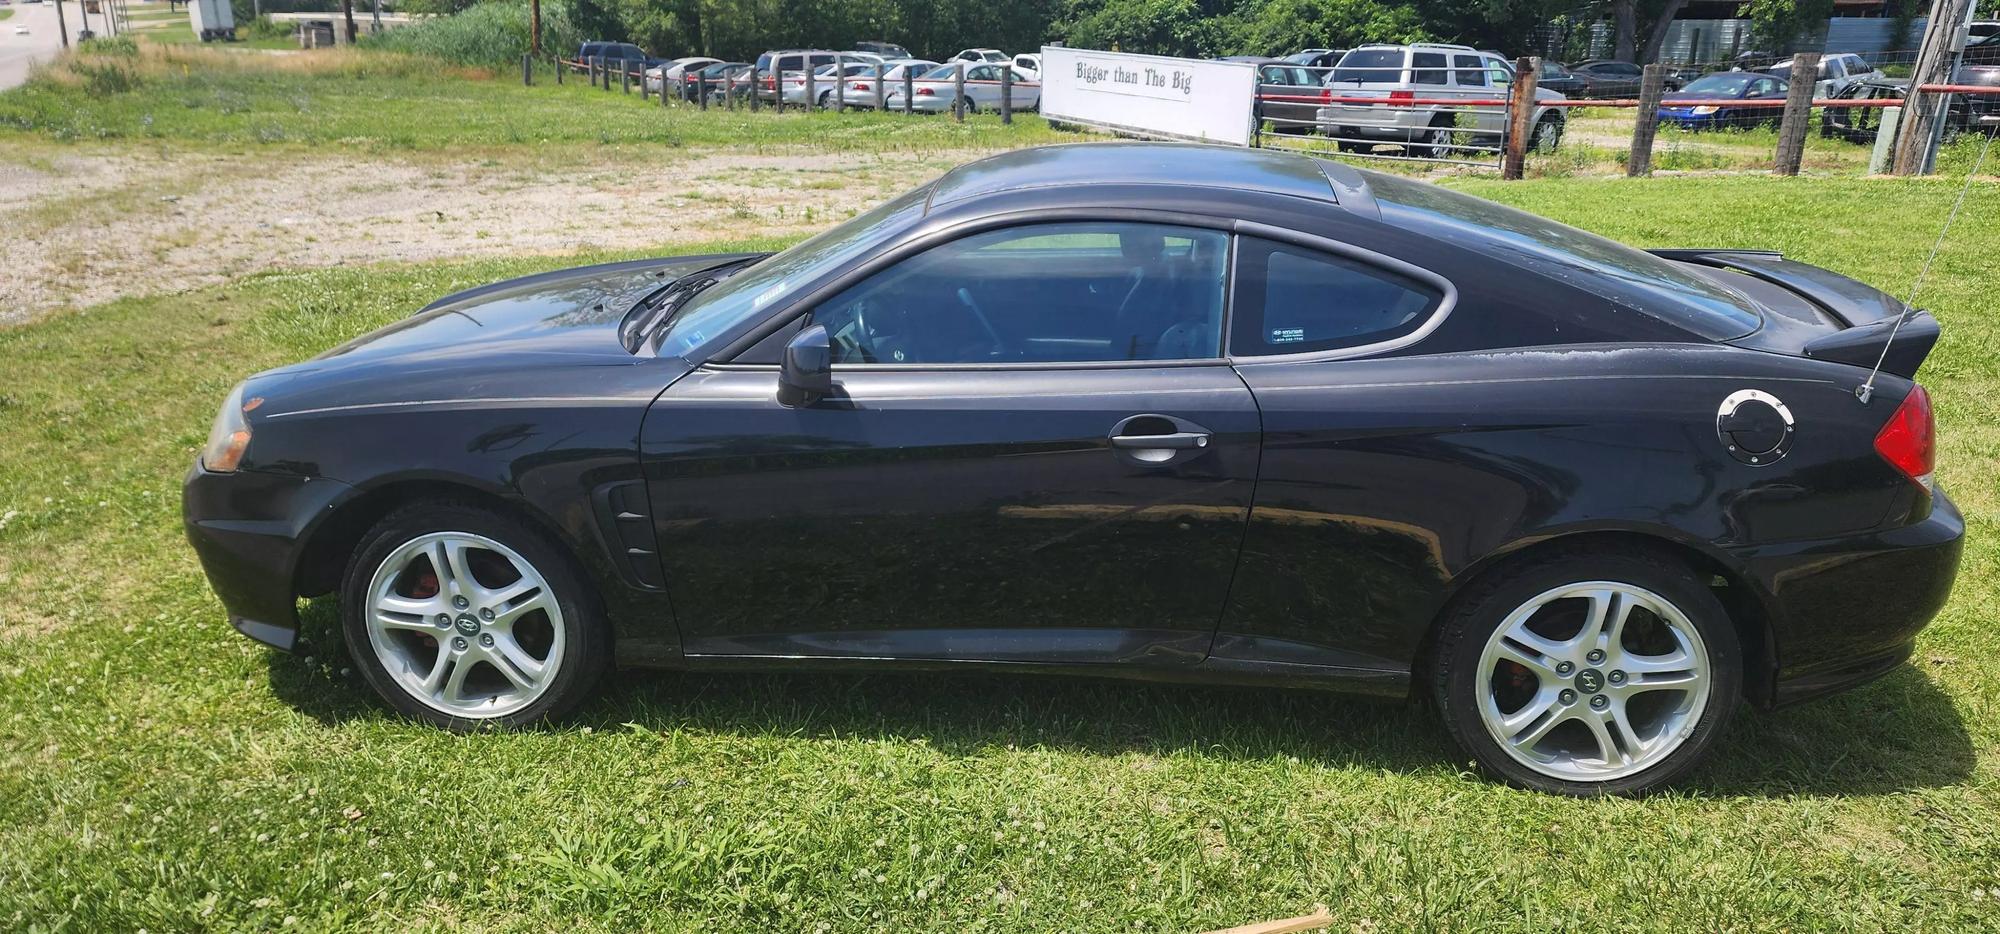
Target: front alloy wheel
x,y
1584,673
465,625
464,617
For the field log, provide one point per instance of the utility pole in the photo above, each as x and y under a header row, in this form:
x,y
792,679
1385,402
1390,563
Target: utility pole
x,y
347,10
534,26
62,27
1937,62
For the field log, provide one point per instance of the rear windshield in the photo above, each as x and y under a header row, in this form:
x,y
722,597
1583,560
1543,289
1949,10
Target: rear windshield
x,y
1384,65
1610,269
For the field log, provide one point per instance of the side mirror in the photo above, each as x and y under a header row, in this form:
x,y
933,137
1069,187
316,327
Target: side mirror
x,y
806,374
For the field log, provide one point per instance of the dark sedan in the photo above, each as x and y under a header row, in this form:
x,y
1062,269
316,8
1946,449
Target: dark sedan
x,y
1966,113
1558,78
1179,413
1696,106
1288,96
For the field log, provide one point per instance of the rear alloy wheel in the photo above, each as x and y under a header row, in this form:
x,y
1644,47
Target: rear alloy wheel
x,y
453,624
1589,675
1433,143
1547,135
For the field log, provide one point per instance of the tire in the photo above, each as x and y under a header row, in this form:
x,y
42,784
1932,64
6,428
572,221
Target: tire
x,y
1674,635
545,629
1433,143
1547,134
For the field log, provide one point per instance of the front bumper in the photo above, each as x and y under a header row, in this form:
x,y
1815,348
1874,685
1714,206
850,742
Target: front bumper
x,y
1845,611
249,530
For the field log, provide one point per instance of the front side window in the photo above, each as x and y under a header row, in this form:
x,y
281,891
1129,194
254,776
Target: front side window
x,y
1291,299
1468,71
1043,293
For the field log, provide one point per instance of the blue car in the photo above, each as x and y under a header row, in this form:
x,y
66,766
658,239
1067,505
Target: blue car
x,y
1724,86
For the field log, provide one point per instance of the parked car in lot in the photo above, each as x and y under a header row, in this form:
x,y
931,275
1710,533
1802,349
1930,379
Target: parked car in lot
x,y
668,74
1289,96
826,83
1558,78
717,79
1724,86
889,76
1427,71
774,66
1966,113
1075,409
1603,78
1029,63
978,55
617,55
1836,72
934,92
887,50
1316,58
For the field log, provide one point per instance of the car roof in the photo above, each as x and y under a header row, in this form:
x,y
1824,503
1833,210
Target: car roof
x,y
1142,163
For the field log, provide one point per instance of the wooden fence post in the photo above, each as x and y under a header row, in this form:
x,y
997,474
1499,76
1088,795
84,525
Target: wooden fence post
x,y
755,101
528,70
625,77
1006,92
1798,114
1646,122
811,98
882,89
958,93
909,90
1520,117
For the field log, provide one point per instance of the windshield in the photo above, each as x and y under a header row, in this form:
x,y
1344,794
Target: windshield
x,y
1725,84
942,71
1384,65
736,300
1610,269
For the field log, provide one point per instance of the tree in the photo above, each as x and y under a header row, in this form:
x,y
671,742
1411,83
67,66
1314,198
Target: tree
x,y
1778,24
1658,15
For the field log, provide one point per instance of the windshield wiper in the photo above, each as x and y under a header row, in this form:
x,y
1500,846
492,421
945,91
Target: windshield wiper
x,y
658,308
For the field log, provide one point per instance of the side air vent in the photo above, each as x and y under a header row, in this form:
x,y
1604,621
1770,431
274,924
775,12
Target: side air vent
x,y
625,516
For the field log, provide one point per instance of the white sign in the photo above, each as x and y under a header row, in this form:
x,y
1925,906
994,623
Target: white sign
x,y
1150,95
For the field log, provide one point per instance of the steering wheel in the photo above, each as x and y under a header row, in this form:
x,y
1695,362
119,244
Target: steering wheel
x,y
965,298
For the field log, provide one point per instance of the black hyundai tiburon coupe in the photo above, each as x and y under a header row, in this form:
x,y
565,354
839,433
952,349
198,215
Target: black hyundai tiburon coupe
x,y
1157,411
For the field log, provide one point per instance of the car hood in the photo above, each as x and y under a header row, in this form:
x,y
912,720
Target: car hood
x,y
570,315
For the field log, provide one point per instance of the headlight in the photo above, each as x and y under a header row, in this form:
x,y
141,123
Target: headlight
x,y
229,437
1703,111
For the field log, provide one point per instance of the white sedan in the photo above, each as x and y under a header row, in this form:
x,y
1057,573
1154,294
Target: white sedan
x,y
660,76
934,91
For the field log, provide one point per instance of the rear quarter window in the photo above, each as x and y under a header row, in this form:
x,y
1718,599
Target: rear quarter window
x,y
1291,299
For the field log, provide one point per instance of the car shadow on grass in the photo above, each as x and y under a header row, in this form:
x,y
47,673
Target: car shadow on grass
x,y
1898,733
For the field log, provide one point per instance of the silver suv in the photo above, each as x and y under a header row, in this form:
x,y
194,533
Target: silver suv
x,y
1427,71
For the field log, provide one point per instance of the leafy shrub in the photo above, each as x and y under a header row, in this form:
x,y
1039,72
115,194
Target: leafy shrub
x,y
493,33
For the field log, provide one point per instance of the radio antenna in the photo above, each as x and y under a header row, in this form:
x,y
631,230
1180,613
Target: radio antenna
x,y
1867,389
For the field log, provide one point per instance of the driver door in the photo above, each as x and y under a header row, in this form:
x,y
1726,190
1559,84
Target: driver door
x,y
1033,453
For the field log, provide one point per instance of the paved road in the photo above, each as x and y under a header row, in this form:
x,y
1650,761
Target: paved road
x,y
42,41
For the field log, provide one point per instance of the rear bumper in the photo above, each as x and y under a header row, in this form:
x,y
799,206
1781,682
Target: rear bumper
x,y
248,529
1845,611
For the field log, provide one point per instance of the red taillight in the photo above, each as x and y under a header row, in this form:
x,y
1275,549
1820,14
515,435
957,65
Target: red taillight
x,y
1326,96
1402,95
1909,441
860,86
926,92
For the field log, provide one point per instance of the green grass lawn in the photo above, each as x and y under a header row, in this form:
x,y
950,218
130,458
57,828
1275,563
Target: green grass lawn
x,y
231,97
158,771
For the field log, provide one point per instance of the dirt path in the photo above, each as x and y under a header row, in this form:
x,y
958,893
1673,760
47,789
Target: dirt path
x,y
80,226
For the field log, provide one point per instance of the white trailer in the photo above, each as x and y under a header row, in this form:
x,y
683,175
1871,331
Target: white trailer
x,y
212,20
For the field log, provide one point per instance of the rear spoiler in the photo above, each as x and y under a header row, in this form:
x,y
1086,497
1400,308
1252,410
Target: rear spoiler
x,y
1869,313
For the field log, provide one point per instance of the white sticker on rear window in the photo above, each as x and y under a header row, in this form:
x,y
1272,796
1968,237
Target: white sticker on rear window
x,y
1287,335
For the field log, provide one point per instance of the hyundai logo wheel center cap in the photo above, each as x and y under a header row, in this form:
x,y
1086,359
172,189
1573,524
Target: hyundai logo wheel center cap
x,y
467,624
1590,681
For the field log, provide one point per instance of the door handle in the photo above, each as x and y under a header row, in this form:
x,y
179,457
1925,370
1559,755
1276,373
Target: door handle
x,y
1180,440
